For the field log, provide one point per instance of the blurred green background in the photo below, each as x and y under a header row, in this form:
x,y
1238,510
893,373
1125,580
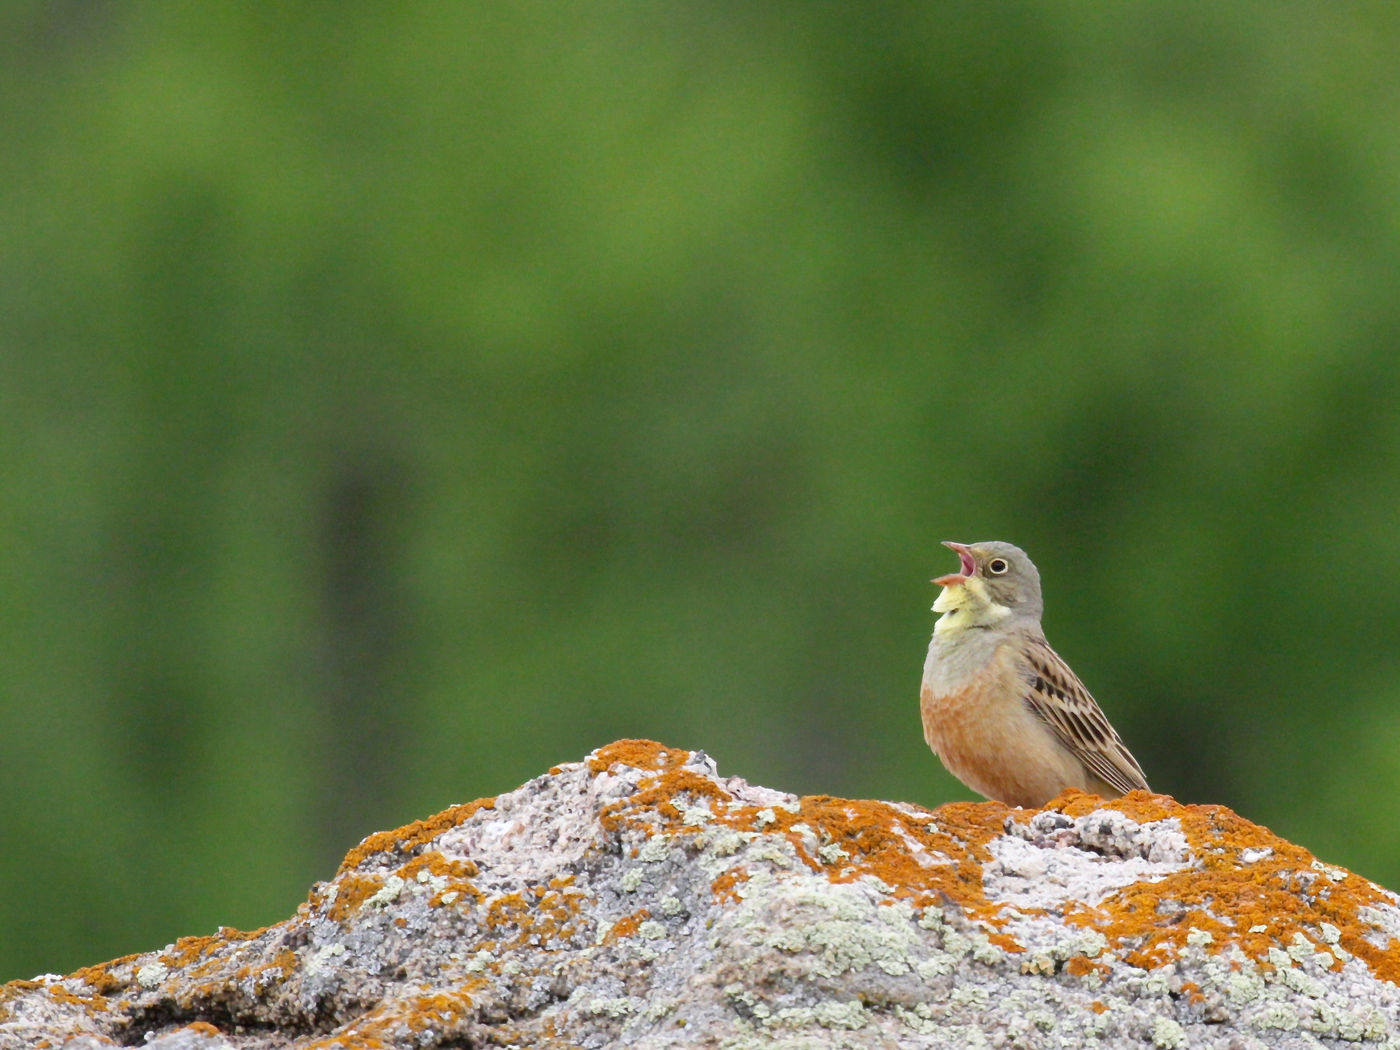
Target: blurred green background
x,y
397,401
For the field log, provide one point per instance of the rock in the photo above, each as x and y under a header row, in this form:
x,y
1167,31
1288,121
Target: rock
x,y
638,899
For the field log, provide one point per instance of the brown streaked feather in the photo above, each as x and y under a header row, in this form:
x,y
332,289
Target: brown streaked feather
x,y
1058,696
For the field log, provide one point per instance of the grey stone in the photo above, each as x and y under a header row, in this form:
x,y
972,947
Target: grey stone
x,y
638,899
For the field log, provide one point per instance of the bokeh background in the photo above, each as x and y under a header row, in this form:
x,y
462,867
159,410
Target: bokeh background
x,y
396,401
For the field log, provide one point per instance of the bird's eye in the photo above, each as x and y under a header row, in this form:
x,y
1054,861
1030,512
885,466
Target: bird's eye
x,y
997,566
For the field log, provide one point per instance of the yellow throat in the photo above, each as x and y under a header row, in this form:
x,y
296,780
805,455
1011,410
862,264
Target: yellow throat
x,y
966,605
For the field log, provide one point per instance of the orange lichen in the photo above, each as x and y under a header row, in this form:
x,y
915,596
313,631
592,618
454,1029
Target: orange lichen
x,y
101,977
640,754
187,949
435,863
1244,887
540,916
351,888
406,1021
91,1003
426,1012
726,886
285,962
661,793
1083,966
627,925
351,891
1258,903
938,858
507,910
925,858
411,836
1192,993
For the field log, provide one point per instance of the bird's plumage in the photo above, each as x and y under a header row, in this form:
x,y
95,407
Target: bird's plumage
x,y
1000,707
1058,696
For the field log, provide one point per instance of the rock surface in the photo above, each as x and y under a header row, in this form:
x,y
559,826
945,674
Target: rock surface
x,y
637,899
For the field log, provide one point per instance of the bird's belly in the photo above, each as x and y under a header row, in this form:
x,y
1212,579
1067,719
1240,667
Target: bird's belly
x,y
989,738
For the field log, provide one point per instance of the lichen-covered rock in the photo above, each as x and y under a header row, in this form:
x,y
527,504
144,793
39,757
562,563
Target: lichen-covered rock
x,y
638,899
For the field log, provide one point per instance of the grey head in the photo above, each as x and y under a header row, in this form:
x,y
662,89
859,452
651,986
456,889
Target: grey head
x,y
1006,571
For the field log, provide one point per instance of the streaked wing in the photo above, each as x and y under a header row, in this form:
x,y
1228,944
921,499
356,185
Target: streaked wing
x,y
1059,697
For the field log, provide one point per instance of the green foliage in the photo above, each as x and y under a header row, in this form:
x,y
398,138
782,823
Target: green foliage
x,y
397,401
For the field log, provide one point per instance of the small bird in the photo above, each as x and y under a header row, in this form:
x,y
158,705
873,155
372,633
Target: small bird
x,y
1001,709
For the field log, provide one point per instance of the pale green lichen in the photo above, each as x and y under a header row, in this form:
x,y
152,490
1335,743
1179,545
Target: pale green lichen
x,y
436,883
1301,983
976,945
1167,1034
1276,1015
696,816
1373,1024
651,930
1095,1025
1355,1026
1301,948
849,1014
618,1007
932,919
980,998
939,964
1333,873
973,942
329,956
1090,944
778,852
152,974
656,1011
844,938
1157,984
844,1015
631,879
724,842
918,1018
1244,988
388,893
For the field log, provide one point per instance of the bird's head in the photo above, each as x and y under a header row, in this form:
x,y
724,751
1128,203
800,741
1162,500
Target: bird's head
x,y
997,581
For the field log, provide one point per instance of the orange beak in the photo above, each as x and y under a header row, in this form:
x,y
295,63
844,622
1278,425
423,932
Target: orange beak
x,y
969,565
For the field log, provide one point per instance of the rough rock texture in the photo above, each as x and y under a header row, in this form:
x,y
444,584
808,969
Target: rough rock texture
x,y
638,899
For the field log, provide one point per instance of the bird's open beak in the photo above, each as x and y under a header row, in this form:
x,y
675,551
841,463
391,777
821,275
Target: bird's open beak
x,y
969,565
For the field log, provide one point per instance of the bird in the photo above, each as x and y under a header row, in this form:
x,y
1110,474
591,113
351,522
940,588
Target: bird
x,y
1001,709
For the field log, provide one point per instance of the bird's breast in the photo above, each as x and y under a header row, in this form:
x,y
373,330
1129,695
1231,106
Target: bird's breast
x,y
955,661
976,720
967,682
